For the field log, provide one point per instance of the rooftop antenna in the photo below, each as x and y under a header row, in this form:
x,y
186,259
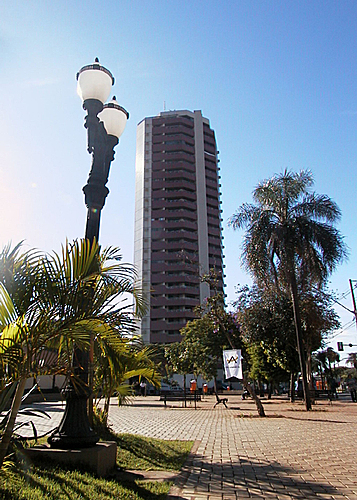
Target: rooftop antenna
x,y
164,105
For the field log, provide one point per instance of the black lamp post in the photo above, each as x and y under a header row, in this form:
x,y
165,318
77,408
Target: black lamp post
x,y
104,123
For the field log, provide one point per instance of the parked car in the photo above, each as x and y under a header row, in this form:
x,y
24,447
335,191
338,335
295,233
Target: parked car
x,y
221,386
170,388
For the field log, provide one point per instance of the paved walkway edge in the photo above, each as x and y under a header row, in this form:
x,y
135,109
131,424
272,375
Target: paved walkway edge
x,y
180,481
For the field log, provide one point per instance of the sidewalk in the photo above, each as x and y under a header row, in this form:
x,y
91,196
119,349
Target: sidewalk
x,y
290,454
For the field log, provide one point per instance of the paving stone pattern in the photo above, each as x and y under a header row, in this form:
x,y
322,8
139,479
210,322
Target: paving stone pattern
x,y
290,454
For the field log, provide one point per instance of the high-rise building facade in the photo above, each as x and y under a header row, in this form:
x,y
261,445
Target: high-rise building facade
x,y
178,233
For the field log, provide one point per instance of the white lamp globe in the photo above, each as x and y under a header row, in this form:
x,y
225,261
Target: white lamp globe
x,y
94,82
114,118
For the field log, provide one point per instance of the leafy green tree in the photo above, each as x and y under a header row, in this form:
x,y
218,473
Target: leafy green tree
x,y
179,359
199,350
266,318
290,238
319,320
225,332
263,368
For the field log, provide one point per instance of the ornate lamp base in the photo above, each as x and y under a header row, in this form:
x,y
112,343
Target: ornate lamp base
x,y
74,431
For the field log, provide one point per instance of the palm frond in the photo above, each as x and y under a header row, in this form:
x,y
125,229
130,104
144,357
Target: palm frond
x,y
244,216
290,228
8,313
319,207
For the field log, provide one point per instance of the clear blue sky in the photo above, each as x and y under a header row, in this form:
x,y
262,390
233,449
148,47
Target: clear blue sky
x,y
277,79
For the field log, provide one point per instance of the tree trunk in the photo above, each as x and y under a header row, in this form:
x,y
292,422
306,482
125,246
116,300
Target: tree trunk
x,y
250,388
215,387
106,408
91,380
310,378
292,387
259,388
297,319
15,406
309,370
247,385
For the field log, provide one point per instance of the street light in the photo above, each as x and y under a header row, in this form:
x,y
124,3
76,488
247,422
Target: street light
x,y
105,123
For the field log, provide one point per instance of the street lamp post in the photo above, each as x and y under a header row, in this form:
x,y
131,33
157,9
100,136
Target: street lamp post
x,y
104,123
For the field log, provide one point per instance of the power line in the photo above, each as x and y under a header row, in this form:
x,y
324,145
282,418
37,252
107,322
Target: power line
x,y
335,301
347,292
343,329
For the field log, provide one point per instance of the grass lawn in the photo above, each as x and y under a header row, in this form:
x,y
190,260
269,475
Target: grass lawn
x,y
142,453
51,482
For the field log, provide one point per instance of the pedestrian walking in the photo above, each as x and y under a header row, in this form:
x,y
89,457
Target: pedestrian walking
x,y
352,387
143,388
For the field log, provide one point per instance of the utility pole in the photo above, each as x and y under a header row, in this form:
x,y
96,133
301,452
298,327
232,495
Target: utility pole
x,y
353,300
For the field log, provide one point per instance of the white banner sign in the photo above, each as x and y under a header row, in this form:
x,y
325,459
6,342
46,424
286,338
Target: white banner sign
x,y
233,363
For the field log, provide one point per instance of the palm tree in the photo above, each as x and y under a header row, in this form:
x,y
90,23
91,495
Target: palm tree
x,y
291,239
352,359
332,357
117,362
58,302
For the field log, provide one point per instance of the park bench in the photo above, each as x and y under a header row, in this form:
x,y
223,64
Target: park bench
x,y
179,396
324,394
220,400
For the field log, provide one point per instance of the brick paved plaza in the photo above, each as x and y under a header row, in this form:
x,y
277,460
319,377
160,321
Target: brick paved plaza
x,y
289,454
